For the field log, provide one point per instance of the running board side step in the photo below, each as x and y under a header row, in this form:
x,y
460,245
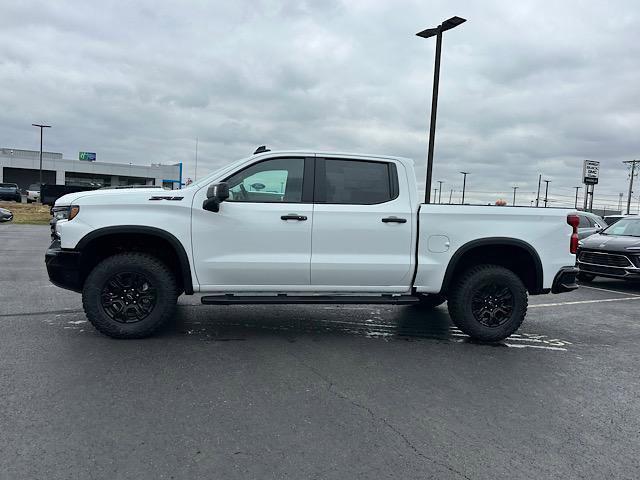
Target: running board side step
x,y
311,299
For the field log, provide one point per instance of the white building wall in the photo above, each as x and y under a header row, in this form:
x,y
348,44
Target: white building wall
x,y
54,161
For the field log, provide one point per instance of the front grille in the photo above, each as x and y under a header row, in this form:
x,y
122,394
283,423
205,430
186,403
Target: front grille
x,y
598,270
605,259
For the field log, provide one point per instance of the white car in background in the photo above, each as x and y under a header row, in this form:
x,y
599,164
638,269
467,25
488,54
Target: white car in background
x,y
33,193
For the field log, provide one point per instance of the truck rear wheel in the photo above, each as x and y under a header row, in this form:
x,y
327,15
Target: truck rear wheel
x,y
488,303
129,295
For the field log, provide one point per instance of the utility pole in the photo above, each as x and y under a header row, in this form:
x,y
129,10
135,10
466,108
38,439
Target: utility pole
x,y
514,194
633,171
538,195
546,193
450,196
620,195
41,127
195,173
576,205
428,33
435,193
464,185
440,191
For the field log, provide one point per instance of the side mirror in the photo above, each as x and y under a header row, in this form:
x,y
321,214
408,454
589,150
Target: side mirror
x,y
216,194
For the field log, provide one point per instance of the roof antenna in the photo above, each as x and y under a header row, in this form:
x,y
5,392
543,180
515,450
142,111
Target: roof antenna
x,y
261,149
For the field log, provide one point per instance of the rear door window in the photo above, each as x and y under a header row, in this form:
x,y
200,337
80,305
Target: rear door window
x,y
356,182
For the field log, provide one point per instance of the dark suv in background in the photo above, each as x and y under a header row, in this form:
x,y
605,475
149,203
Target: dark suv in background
x,y
612,253
10,191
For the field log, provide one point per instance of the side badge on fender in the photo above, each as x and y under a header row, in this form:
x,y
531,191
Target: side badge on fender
x,y
166,198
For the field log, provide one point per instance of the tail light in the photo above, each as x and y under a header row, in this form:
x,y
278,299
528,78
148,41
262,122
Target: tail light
x,y
574,221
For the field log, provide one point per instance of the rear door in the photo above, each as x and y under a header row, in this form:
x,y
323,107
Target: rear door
x,y
362,226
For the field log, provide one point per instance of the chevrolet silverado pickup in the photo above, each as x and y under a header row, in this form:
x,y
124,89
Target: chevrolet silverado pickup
x,y
301,228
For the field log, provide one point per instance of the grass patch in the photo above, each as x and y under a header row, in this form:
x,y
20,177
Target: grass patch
x,y
28,213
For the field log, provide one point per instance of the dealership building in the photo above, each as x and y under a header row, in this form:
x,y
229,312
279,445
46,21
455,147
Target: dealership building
x,y
23,167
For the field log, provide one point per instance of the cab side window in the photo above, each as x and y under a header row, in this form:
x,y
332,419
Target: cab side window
x,y
277,180
358,182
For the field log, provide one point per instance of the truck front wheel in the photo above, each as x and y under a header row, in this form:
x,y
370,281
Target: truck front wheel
x,y
129,295
488,303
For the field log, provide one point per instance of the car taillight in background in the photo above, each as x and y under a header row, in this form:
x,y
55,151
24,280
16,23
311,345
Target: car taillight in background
x,y
574,221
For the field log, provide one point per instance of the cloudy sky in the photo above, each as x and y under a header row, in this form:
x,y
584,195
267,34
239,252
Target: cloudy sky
x,y
527,87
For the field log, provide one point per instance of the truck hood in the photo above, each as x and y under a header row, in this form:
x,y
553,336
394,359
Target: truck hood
x,y
133,193
611,243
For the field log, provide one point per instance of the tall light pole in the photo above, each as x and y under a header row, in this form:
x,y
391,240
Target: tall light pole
x,y
450,196
514,194
428,33
440,191
576,205
633,171
546,192
538,195
464,185
41,127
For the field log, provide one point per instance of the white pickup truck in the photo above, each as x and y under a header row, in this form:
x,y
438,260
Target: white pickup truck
x,y
304,227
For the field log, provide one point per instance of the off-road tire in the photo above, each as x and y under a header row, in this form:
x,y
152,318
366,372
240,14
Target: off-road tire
x,y
159,277
428,302
473,282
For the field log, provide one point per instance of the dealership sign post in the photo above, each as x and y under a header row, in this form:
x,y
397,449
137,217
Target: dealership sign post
x,y
590,174
87,156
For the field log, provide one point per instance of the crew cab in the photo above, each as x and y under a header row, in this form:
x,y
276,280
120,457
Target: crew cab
x,y
306,227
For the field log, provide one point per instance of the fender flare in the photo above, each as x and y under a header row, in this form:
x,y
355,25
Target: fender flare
x,y
491,242
185,268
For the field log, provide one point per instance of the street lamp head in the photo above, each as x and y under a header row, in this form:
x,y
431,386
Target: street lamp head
x,y
452,23
446,25
40,126
428,33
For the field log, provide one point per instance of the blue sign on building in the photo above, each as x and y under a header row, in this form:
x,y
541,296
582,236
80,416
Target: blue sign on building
x,y
88,156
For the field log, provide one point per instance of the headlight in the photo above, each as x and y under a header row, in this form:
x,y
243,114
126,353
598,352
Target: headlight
x,y
65,213
580,243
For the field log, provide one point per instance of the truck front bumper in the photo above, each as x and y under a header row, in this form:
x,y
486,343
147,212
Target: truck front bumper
x,y
63,267
565,280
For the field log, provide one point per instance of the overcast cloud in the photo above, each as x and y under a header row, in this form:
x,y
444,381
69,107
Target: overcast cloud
x,y
526,87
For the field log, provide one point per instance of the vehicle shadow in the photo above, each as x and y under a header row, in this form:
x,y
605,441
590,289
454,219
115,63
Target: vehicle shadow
x,y
241,322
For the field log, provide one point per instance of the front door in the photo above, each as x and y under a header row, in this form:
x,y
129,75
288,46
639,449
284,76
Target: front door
x,y
362,227
260,240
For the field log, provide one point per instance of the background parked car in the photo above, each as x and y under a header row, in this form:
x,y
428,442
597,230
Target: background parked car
x,y
10,191
590,224
33,193
613,253
5,215
611,219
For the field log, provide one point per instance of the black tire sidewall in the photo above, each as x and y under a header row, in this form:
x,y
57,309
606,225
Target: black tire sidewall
x,y
158,275
460,302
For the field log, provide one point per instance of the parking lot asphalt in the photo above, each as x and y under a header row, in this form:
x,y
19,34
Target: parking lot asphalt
x,y
327,392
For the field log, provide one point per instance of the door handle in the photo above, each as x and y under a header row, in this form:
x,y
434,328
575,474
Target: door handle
x,y
394,220
294,216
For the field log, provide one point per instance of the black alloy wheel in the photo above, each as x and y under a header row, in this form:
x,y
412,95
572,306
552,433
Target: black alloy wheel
x,y
128,297
492,305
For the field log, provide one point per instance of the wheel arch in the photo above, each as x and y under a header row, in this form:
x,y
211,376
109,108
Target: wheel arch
x,y
512,253
111,239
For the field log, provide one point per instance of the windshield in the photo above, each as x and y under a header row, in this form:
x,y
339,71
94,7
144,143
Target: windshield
x,y
215,173
626,227
8,185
